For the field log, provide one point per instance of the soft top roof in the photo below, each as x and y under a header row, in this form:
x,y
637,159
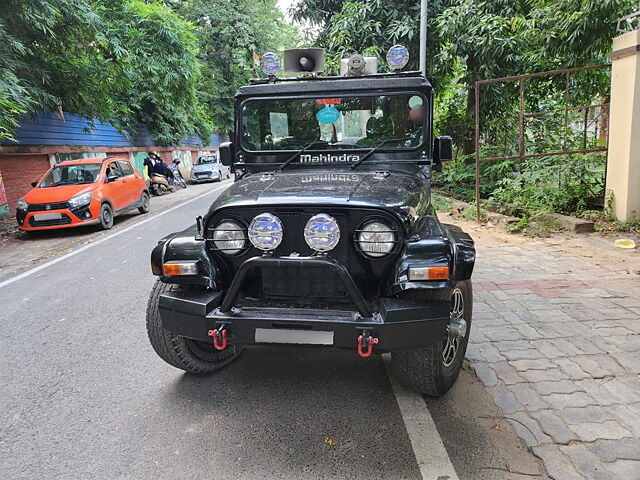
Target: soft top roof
x,y
333,84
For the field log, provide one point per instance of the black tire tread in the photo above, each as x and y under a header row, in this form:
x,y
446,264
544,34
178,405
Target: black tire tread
x,y
175,350
419,368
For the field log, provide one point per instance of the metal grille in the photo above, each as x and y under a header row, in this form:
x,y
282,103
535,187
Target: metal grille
x,y
40,207
301,283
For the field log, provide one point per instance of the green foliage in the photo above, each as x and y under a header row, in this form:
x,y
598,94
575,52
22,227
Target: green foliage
x,y
228,33
133,61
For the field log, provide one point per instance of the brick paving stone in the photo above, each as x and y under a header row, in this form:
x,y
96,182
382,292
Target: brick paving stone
x,y
591,413
587,463
612,450
599,366
521,354
473,353
564,400
629,360
558,341
527,429
627,415
542,375
505,399
557,464
553,426
596,389
526,332
561,386
527,396
506,373
585,345
625,469
571,368
485,374
512,345
489,353
609,430
529,364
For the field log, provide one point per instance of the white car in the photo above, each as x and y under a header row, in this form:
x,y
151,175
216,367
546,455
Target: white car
x,y
208,168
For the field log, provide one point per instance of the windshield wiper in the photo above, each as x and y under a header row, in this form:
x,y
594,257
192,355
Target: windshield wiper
x,y
375,149
299,152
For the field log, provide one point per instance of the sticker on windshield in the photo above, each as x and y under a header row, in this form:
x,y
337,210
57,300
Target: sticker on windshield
x,y
328,115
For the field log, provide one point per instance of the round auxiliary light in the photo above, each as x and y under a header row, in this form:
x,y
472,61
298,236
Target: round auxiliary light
x,y
270,63
229,237
265,232
322,232
397,57
376,239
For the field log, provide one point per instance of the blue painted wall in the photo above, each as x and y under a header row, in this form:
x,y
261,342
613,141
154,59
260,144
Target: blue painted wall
x,y
47,129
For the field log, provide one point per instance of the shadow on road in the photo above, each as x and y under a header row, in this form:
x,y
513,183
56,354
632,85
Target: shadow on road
x,y
277,412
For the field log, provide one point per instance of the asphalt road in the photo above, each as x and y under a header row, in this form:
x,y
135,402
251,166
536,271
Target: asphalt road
x,y
83,395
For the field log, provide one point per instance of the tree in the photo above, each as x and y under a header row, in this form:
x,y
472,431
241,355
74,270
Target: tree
x,y
229,33
126,61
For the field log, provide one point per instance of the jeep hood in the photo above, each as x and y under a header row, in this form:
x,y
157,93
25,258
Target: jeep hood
x,y
401,193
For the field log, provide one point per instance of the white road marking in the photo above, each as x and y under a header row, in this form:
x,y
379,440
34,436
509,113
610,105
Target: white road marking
x,y
433,459
104,239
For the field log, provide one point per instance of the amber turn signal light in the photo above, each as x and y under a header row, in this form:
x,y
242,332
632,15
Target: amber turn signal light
x,y
428,273
179,269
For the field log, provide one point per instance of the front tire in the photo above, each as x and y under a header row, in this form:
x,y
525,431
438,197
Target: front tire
x,y
144,203
433,370
106,216
184,353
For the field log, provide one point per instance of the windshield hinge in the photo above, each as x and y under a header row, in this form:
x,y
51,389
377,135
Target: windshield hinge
x,y
381,174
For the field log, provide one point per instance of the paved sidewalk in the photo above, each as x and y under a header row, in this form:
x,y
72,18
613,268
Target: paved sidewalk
x,y
556,339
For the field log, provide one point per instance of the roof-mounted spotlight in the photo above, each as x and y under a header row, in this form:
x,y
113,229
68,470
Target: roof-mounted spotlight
x,y
357,65
304,60
270,64
397,57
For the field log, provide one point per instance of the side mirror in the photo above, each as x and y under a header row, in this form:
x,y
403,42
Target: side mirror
x,y
110,178
33,184
443,149
226,155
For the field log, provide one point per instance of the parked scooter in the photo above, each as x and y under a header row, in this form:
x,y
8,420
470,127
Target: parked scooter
x,y
177,178
159,184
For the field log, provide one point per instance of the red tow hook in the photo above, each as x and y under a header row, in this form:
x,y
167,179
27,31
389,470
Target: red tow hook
x,y
365,345
219,338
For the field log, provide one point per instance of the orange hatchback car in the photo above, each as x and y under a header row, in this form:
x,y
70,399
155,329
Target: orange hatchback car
x,y
83,192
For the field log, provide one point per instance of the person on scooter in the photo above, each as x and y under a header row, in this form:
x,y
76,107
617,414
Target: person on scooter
x,y
163,169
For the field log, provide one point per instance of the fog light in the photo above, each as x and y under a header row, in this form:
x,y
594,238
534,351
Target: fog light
x,y
417,274
322,232
175,269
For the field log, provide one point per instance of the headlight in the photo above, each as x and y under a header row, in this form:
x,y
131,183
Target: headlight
x,y
265,232
80,200
376,239
322,232
22,205
228,237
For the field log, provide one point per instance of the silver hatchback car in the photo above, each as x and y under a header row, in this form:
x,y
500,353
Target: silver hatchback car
x,y
208,168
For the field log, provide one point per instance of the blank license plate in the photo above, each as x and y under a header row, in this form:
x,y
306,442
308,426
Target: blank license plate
x,y
301,337
39,217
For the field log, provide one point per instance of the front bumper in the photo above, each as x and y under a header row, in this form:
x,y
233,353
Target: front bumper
x,y
204,177
68,217
396,323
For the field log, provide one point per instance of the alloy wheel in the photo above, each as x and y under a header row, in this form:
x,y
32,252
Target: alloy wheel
x,y
450,349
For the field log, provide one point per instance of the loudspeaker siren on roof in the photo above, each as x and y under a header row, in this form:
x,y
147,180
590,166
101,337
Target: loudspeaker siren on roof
x,y
304,60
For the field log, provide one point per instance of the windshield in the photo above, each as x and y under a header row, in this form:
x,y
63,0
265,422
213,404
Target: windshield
x,y
206,159
344,122
71,175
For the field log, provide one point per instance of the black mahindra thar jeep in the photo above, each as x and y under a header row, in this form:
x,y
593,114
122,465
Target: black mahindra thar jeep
x,y
327,237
